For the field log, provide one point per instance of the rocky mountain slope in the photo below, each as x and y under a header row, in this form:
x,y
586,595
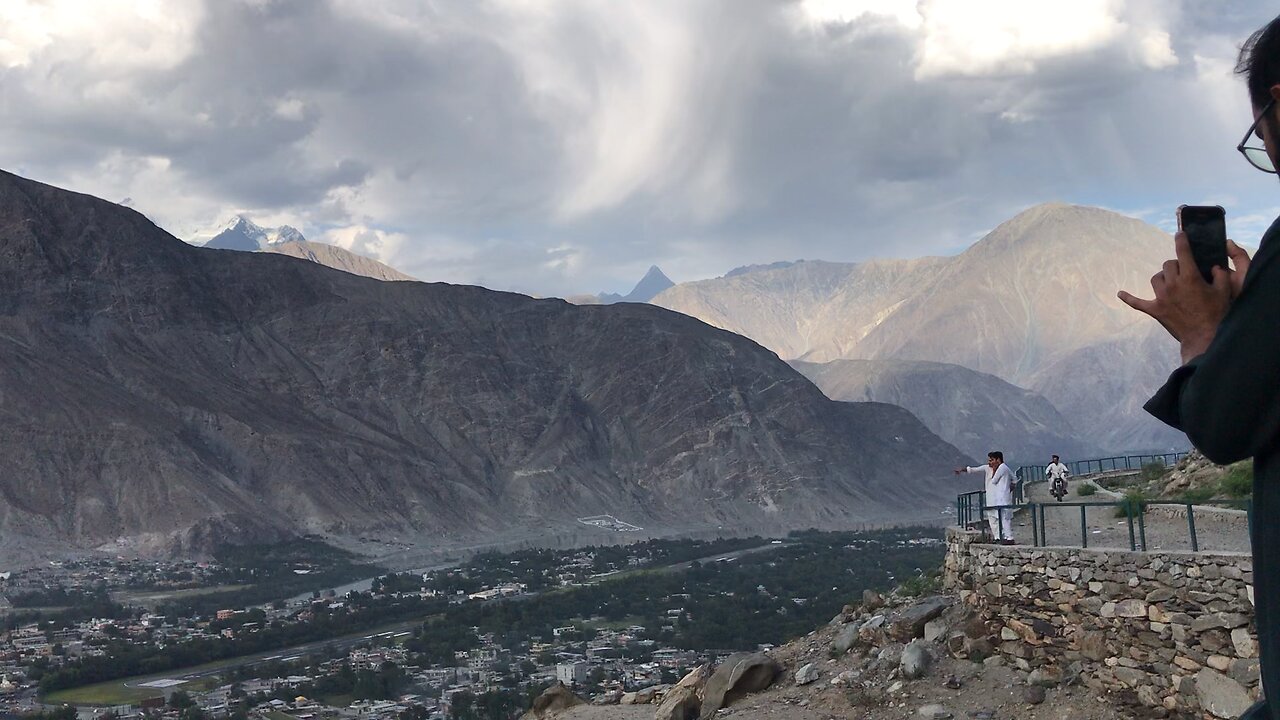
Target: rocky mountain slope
x,y
1032,303
157,395
338,259
974,411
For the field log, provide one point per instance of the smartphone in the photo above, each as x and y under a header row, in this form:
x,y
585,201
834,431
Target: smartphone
x,y
1206,229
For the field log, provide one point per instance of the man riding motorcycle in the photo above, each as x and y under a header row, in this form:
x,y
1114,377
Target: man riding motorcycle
x,y
1057,474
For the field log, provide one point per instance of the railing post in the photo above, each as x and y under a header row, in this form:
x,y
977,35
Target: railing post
x,y
1044,537
1035,526
1084,537
1142,530
1132,545
1191,525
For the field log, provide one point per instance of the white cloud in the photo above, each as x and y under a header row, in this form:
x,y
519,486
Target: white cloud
x,y
1013,37
118,36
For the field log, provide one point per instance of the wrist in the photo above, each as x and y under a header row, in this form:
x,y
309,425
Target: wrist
x,y
1196,345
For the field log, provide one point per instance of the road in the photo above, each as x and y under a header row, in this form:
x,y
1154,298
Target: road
x,y
1104,530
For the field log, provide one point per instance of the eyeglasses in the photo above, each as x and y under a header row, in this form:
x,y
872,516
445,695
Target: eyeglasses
x,y
1257,156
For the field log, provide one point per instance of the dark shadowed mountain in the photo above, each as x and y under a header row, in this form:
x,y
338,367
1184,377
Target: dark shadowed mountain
x,y
157,395
974,411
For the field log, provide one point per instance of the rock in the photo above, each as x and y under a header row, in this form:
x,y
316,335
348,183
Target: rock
x,y
934,712
935,629
1220,695
978,649
680,703
909,624
555,698
807,674
741,674
846,638
1047,676
872,600
1131,609
952,683
848,677
1244,644
1033,694
684,700
643,696
915,660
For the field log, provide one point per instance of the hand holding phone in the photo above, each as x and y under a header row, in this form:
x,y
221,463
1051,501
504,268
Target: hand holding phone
x,y
1206,229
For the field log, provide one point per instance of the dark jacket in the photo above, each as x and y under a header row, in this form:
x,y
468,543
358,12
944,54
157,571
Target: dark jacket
x,y
1227,401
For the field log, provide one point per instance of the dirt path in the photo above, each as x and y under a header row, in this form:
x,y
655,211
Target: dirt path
x,y
1217,532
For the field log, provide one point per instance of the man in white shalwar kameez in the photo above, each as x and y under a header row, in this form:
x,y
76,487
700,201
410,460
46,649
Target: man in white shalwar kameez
x,y
999,489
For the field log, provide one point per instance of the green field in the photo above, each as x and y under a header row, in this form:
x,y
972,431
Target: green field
x,y
116,692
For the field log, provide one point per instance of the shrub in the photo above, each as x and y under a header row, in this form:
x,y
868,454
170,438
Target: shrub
x,y
1238,482
1198,496
1133,504
1152,471
1085,489
924,584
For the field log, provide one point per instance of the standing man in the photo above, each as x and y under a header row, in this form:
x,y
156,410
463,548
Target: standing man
x,y
1226,395
999,495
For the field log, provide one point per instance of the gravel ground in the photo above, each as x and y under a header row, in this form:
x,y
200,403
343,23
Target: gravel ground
x,y
1105,530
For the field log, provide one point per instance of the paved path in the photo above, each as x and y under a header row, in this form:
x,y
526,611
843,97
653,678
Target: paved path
x,y
1217,532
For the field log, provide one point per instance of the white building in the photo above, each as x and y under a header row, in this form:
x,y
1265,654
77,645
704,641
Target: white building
x,y
572,673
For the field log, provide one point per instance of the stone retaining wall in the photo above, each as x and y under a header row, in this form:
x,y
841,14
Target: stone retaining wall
x,y
1171,631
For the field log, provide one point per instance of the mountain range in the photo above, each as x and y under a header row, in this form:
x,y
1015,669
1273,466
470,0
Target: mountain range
x,y
241,233
653,282
162,397
974,411
1032,303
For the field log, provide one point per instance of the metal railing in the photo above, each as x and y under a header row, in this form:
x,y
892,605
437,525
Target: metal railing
x,y
971,509
1097,466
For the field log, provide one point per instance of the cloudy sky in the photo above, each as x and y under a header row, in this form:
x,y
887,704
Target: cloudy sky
x,y
557,147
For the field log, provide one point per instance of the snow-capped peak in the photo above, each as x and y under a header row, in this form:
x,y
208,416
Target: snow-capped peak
x,y
241,233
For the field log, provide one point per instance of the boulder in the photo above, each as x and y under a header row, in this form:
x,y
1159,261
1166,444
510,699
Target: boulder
x,y
934,712
1220,695
1033,694
555,698
872,600
915,660
807,674
908,624
935,630
684,700
845,639
737,676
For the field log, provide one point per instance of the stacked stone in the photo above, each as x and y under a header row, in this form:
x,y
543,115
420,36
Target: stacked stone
x,y
1163,630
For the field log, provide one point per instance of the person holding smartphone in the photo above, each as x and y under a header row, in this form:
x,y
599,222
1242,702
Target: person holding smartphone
x,y
1226,395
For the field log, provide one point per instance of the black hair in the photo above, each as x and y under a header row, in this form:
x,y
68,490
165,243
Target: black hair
x,y
996,455
1259,62
1055,457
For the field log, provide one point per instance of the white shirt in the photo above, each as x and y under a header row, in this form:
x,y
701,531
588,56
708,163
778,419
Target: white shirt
x,y
1056,470
999,483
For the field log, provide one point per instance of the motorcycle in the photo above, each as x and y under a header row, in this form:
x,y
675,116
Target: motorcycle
x,y
1058,488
